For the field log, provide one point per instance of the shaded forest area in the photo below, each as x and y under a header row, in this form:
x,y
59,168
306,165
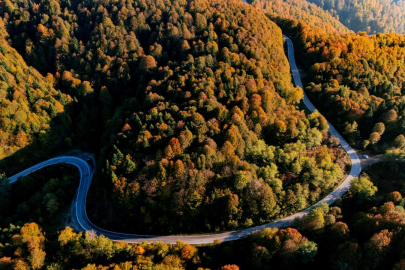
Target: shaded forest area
x,y
300,11
363,230
360,79
44,197
29,105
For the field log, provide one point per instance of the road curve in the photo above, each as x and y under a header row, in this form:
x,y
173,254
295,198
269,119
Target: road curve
x,y
86,176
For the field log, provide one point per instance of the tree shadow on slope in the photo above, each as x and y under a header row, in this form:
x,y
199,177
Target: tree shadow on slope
x,y
63,135
43,197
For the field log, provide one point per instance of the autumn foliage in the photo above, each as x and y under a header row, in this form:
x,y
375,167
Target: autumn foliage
x,y
191,105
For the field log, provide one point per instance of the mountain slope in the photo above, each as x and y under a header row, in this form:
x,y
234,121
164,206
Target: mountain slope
x,y
196,112
372,16
301,11
28,103
191,155
357,81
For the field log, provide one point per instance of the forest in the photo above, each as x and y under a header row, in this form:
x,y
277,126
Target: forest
x,y
300,11
371,16
211,127
363,230
196,127
357,81
29,104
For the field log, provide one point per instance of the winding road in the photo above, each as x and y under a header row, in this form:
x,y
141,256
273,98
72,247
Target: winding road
x,y
86,176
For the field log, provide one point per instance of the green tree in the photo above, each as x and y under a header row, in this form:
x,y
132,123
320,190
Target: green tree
x,y
363,187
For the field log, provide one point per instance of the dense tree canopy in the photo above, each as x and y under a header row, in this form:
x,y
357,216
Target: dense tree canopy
x,y
360,80
217,144
356,81
352,234
25,248
300,11
372,16
31,110
193,107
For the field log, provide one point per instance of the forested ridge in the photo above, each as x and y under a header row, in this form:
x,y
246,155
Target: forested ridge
x,y
28,104
212,166
363,230
357,81
300,11
196,126
199,119
371,16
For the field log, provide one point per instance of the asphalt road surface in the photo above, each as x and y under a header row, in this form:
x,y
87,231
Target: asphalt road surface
x,y
86,176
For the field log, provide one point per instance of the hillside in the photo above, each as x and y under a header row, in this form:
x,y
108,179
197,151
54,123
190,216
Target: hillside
x,y
365,230
300,11
358,80
216,145
196,128
31,110
192,106
371,16
354,79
